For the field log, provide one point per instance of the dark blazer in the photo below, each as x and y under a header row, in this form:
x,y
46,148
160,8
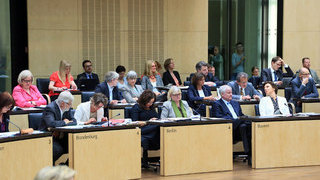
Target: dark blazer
x,y
210,78
103,88
167,78
5,119
220,110
255,80
298,90
249,90
193,95
52,117
140,114
267,76
84,76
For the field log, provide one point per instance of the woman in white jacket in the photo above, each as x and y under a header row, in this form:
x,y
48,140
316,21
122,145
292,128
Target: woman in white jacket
x,y
272,104
91,111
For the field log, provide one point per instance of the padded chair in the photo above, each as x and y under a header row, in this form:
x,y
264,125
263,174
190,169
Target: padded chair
x,y
34,120
187,83
43,87
184,95
138,81
287,93
256,109
210,111
86,95
127,112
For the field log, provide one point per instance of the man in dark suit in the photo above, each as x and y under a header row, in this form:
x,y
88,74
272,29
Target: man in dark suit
x,y
87,74
110,89
210,79
229,109
58,114
275,73
303,86
242,89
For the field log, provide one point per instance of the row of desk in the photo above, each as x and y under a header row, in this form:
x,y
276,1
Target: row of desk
x,y
185,147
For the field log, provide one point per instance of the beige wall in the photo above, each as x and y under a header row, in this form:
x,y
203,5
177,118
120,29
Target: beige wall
x,y
57,30
301,32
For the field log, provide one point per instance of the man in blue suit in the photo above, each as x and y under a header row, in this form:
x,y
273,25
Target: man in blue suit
x,y
303,86
210,79
229,109
242,90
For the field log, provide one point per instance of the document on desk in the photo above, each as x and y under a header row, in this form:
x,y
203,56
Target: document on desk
x,y
11,134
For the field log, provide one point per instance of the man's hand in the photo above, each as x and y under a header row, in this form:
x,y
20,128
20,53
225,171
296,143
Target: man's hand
x,y
123,101
67,121
256,97
247,97
305,81
209,83
91,120
278,83
114,102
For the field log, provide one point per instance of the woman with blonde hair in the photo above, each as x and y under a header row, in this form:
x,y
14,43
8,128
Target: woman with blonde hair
x,y
151,78
61,80
25,94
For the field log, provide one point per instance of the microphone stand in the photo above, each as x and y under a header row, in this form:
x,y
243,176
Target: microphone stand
x,y
15,126
112,118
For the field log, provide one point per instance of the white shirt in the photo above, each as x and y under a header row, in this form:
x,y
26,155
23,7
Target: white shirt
x,y
228,104
61,112
82,113
201,93
110,92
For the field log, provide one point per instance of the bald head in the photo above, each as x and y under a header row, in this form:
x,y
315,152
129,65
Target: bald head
x,y
304,73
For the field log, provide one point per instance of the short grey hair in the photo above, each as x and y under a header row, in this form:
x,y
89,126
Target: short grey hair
x,y
224,88
98,98
241,75
65,96
132,75
55,172
173,90
111,75
200,64
23,75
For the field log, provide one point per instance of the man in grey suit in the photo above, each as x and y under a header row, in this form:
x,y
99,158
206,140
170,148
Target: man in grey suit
x,y
242,89
58,114
306,64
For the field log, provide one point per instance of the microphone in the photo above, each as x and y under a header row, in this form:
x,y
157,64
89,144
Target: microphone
x,y
15,126
196,112
112,118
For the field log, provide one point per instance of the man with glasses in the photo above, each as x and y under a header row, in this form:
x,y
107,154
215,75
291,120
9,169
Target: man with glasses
x,y
87,76
303,86
57,114
242,89
307,64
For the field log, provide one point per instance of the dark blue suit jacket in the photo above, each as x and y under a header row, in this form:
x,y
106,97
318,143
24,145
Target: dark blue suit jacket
x,y
5,118
51,117
298,90
103,88
267,76
210,78
193,95
220,110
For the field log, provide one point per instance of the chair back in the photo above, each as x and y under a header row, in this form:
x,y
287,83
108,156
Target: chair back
x,y
127,112
256,109
86,95
34,120
43,85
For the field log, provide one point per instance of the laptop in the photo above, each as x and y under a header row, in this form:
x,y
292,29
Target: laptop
x,y
88,84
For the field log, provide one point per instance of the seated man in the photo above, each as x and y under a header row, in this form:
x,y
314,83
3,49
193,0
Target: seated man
x,y
229,109
306,64
58,114
242,89
210,80
275,73
87,74
303,87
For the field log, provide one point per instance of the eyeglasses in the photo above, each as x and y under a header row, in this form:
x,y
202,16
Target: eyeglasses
x,y
68,103
176,94
27,81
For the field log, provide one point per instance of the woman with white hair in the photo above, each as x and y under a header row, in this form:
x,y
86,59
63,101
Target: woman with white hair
x,y
110,89
131,91
56,173
175,107
25,94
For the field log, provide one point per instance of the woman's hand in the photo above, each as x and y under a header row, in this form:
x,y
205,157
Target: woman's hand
x,y
91,120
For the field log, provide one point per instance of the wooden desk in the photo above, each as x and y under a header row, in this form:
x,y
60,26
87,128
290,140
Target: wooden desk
x,y
285,141
21,157
195,147
247,107
311,105
20,118
105,153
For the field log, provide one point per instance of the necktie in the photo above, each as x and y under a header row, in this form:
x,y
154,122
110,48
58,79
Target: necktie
x,y
241,91
275,76
90,76
234,114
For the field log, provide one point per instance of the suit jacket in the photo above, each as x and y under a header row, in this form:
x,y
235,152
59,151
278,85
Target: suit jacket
x,y
210,78
103,88
249,90
298,90
84,76
5,119
167,78
267,76
266,106
313,74
168,112
220,110
146,83
51,117
193,95
255,80
129,93
140,114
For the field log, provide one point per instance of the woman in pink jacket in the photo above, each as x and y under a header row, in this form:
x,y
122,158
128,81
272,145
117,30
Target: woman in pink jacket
x,y
25,94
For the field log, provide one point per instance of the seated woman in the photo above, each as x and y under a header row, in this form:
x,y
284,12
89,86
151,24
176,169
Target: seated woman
x,y
171,76
197,91
122,81
255,78
131,91
272,104
6,103
25,94
151,79
91,111
150,134
61,80
175,107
